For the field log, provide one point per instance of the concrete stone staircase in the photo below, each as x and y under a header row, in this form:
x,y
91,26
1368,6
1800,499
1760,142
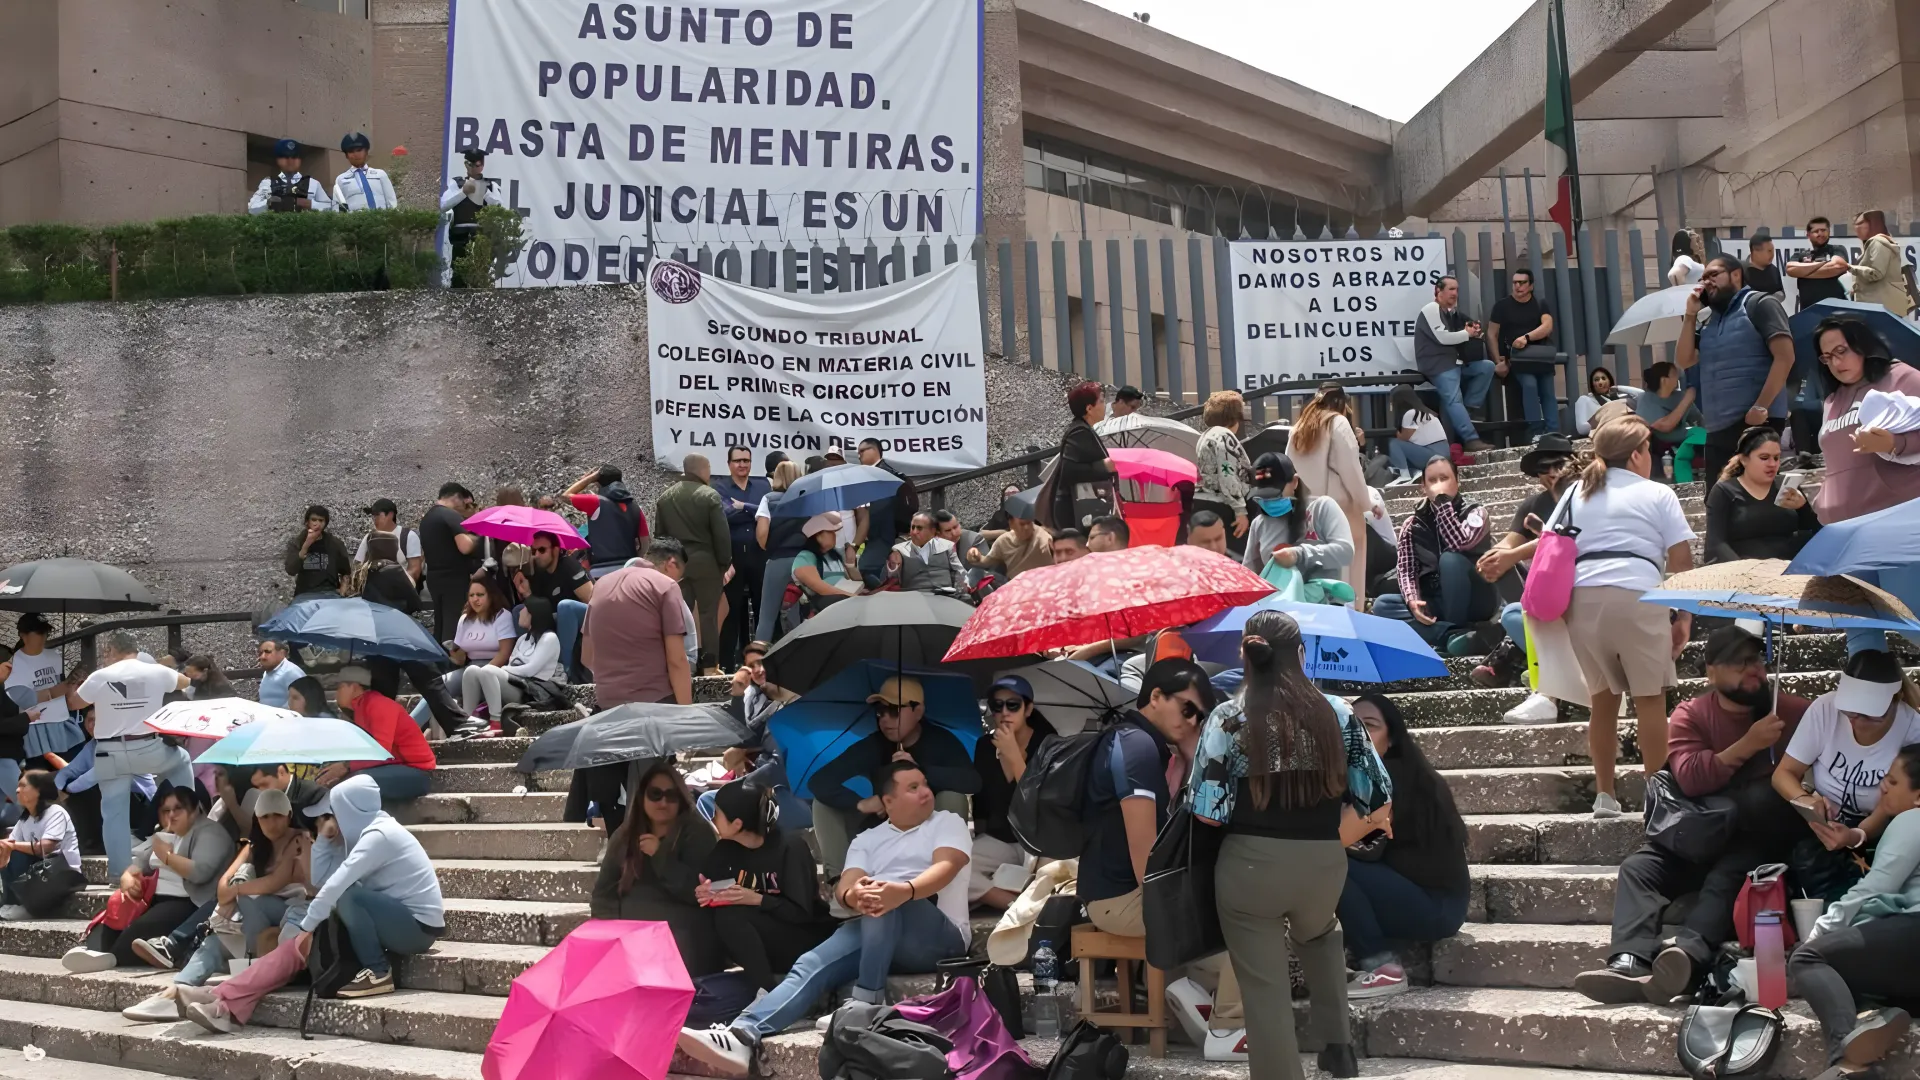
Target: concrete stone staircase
x,y
1492,1003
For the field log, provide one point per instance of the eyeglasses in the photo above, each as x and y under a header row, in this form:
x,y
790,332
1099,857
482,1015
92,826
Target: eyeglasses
x,y
889,709
1001,704
661,794
1189,710
542,550
1829,357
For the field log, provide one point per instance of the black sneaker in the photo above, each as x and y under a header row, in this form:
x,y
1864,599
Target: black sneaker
x,y
1338,1060
471,728
1674,975
1622,982
1505,664
367,984
156,951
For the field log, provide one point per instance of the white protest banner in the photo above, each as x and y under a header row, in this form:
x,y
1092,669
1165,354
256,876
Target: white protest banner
x,y
607,124
1790,249
1306,310
802,372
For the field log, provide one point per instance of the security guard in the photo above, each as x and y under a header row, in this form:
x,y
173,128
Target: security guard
x,y
464,197
290,191
361,187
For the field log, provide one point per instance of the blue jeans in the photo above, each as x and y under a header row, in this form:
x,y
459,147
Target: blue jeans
x,y
397,782
1412,457
567,617
1901,581
9,780
1462,388
773,586
1538,403
377,924
911,938
1379,907
1514,621
115,764
17,864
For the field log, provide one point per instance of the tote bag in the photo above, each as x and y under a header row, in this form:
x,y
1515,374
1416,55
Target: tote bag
x,y
1177,896
1549,587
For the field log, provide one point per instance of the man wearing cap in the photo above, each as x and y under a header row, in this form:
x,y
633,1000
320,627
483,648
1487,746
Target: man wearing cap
x,y
409,773
1126,401
289,190
362,187
616,526
463,200
1724,743
386,522
123,694
1506,664
899,707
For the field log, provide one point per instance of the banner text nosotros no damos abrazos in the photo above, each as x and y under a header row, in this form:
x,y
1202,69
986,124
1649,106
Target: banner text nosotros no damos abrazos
x,y
804,373
774,121
1306,310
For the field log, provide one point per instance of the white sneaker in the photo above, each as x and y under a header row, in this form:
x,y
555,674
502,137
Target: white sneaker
x,y
81,960
1537,709
824,1021
719,1049
14,913
1229,1047
1192,1006
213,1017
1605,806
161,1008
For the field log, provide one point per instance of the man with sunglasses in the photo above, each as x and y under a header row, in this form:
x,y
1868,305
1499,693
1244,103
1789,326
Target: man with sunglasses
x,y
899,707
564,583
1745,354
740,496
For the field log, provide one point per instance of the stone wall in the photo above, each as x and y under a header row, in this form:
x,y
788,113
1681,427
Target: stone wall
x,y
183,439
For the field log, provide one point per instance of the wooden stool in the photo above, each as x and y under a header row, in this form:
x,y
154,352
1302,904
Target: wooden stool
x,y
1089,945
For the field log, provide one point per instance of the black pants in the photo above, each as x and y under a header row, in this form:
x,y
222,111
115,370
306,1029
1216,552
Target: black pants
x,y
743,601
599,784
1721,446
1650,879
427,681
449,596
1879,958
162,918
766,948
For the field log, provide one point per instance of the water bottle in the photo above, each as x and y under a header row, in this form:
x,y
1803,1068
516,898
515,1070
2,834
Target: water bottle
x,y
1666,464
1046,1006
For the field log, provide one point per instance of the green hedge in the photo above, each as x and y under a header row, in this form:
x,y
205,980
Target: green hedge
x,y
220,255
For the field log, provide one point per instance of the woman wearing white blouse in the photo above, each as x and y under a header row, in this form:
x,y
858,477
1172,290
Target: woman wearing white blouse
x,y
536,655
1325,449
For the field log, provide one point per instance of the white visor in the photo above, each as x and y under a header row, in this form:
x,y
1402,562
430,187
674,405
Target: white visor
x,y
1863,698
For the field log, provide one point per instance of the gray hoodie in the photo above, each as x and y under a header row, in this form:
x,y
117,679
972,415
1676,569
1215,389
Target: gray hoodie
x,y
1326,550
373,850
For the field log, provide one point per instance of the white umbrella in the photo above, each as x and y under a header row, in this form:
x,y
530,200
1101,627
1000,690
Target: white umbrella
x,y
1152,432
1654,318
214,718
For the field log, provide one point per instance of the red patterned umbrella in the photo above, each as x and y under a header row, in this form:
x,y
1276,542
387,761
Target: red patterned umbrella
x,y
1117,594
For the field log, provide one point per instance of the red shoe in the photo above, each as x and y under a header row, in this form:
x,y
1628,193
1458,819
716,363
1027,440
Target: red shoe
x,y
1460,457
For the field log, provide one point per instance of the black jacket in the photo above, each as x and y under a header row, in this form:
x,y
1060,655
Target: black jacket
x,y
321,569
1083,460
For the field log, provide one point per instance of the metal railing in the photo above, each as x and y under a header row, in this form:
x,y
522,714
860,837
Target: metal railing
x,y
86,636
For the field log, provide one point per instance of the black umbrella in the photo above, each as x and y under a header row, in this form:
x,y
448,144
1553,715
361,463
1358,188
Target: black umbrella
x,y
75,586
634,732
899,629
1024,505
1271,439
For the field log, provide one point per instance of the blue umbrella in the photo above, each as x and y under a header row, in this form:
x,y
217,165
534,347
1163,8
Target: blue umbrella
x,y
308,740
360,627
1762,589
1341,643
841,487
1900,335
833,716
1882,540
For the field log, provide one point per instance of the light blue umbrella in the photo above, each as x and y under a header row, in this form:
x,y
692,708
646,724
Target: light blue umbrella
x,y
1342,644
1882,540
833,716
308,740
361,627
841,487
1901,336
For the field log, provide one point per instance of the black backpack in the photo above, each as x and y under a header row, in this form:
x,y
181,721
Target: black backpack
x,y
1089,1052
1048,812
873,1042
331,964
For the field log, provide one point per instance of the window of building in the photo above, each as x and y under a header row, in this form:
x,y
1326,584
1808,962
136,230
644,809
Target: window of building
x,y
1062,168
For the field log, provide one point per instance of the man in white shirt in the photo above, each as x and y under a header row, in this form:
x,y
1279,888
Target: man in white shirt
x,y
386,519
361,187
926,561
907,877
123,694
289,191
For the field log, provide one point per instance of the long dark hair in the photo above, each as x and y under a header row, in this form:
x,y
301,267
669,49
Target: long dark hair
x,y
1288,730
216,684
1750,440
1423,807
259,849
626,839
43,785
312,694
1280,470
1403,401
752,805
1613,384
1861,339
540,614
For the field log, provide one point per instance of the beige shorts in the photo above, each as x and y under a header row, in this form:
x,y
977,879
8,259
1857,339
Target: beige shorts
x,y
1625,646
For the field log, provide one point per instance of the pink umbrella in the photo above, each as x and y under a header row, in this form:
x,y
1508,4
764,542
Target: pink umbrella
x,y
1147,466
606,1004
517,524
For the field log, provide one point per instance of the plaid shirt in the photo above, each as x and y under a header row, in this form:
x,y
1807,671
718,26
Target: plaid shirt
x,y
1456,533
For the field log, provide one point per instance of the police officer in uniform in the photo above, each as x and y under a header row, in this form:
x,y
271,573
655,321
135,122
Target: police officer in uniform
x,y
290,190
362,187
464,197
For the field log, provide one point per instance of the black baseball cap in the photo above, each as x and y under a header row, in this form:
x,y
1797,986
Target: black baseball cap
x,y
34,623
380,506
1129,393
1730,645
476,156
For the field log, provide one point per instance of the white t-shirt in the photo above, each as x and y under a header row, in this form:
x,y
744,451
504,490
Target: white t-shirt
x,y
52,824
1632,513
36,673
124,694
888,854
481,640
1425,432
1847,773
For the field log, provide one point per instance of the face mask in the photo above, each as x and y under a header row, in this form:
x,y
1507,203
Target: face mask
x,y
1279,507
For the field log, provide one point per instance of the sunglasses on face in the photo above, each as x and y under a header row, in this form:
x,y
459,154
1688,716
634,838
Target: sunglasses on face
x,y
1189,710
1001,704
661,794
542,550
885,709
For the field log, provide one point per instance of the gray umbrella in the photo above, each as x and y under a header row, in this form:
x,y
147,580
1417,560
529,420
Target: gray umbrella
x,y
1072,695
644,730
76,586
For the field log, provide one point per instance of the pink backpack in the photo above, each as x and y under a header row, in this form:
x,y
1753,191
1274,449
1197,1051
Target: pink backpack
x,y
1549,587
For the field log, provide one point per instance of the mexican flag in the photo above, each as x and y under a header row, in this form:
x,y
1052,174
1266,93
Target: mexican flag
x,y
1563,161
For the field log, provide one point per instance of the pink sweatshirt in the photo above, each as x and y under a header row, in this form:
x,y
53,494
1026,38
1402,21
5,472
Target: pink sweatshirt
x,y
1858,484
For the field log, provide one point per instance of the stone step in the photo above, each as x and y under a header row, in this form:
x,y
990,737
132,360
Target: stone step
x,y
501,750
496,778
1537,790
1552,838
481,808
570,842
1519,955
1483,707
496,922
256,1053
15,1066
1502,745
1561,1029
454,967
1555,894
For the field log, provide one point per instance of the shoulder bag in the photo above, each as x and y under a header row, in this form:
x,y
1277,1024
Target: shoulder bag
x,y
1720,1041
1177,897
1549,587
1696,830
